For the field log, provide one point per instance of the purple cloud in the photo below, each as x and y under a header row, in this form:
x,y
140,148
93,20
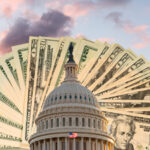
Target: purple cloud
x,y
116,18
52,23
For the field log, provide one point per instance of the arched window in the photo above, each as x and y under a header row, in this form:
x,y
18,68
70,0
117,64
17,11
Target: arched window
x,y
51,123
94,123
70,121
70,97
75,97
99,124
89,122
64,121
43,125
65,97
57,122
83,122
77,121
46,124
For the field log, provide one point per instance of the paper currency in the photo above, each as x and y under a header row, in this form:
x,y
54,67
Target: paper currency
x,y
32,56
109,58
46,55
125,74
119,79
20,53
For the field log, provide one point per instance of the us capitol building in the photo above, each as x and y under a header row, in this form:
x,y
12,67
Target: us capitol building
x,y
71,118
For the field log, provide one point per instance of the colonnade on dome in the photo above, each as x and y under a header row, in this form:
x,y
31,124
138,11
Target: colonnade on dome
x,y
66,143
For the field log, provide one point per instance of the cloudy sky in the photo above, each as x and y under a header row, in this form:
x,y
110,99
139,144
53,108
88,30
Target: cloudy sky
x,y
126,22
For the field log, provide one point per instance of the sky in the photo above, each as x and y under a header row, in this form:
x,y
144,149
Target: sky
x,y
126,22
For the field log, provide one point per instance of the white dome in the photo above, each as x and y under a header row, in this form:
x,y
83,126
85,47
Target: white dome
x,y
70,92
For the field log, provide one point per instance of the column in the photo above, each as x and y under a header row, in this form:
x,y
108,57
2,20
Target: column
x,y
31,147
74,144
44,144
96,144
39,145
89,144
35,146
58,144
106,145
112,146
102,145
81,143
51,144
66,144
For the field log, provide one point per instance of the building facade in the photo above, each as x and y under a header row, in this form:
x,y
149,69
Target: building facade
x,y
71,118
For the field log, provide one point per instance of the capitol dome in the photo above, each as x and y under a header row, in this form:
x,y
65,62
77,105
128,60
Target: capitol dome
x,y
71,118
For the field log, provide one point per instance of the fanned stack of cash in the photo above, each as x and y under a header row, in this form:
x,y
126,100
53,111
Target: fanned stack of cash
x,y
119,79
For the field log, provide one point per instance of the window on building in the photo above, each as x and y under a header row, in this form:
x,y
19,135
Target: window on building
x,y
65,97
64,121
70,121
70,97
89,122
75,97
77,121
51,123
94,123
46,124
99,124
57,122
43,125
83,122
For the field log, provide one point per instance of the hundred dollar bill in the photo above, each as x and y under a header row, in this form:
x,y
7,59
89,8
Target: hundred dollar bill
x,y
122,61
140,139
124,75
20,53
32,56
114,51
46,55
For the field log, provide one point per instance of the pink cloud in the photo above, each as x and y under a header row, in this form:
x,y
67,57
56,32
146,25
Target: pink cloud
x,y
3,34
80,36
32,16
73,9
140,45
106,39
7,8
141,33
76,10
